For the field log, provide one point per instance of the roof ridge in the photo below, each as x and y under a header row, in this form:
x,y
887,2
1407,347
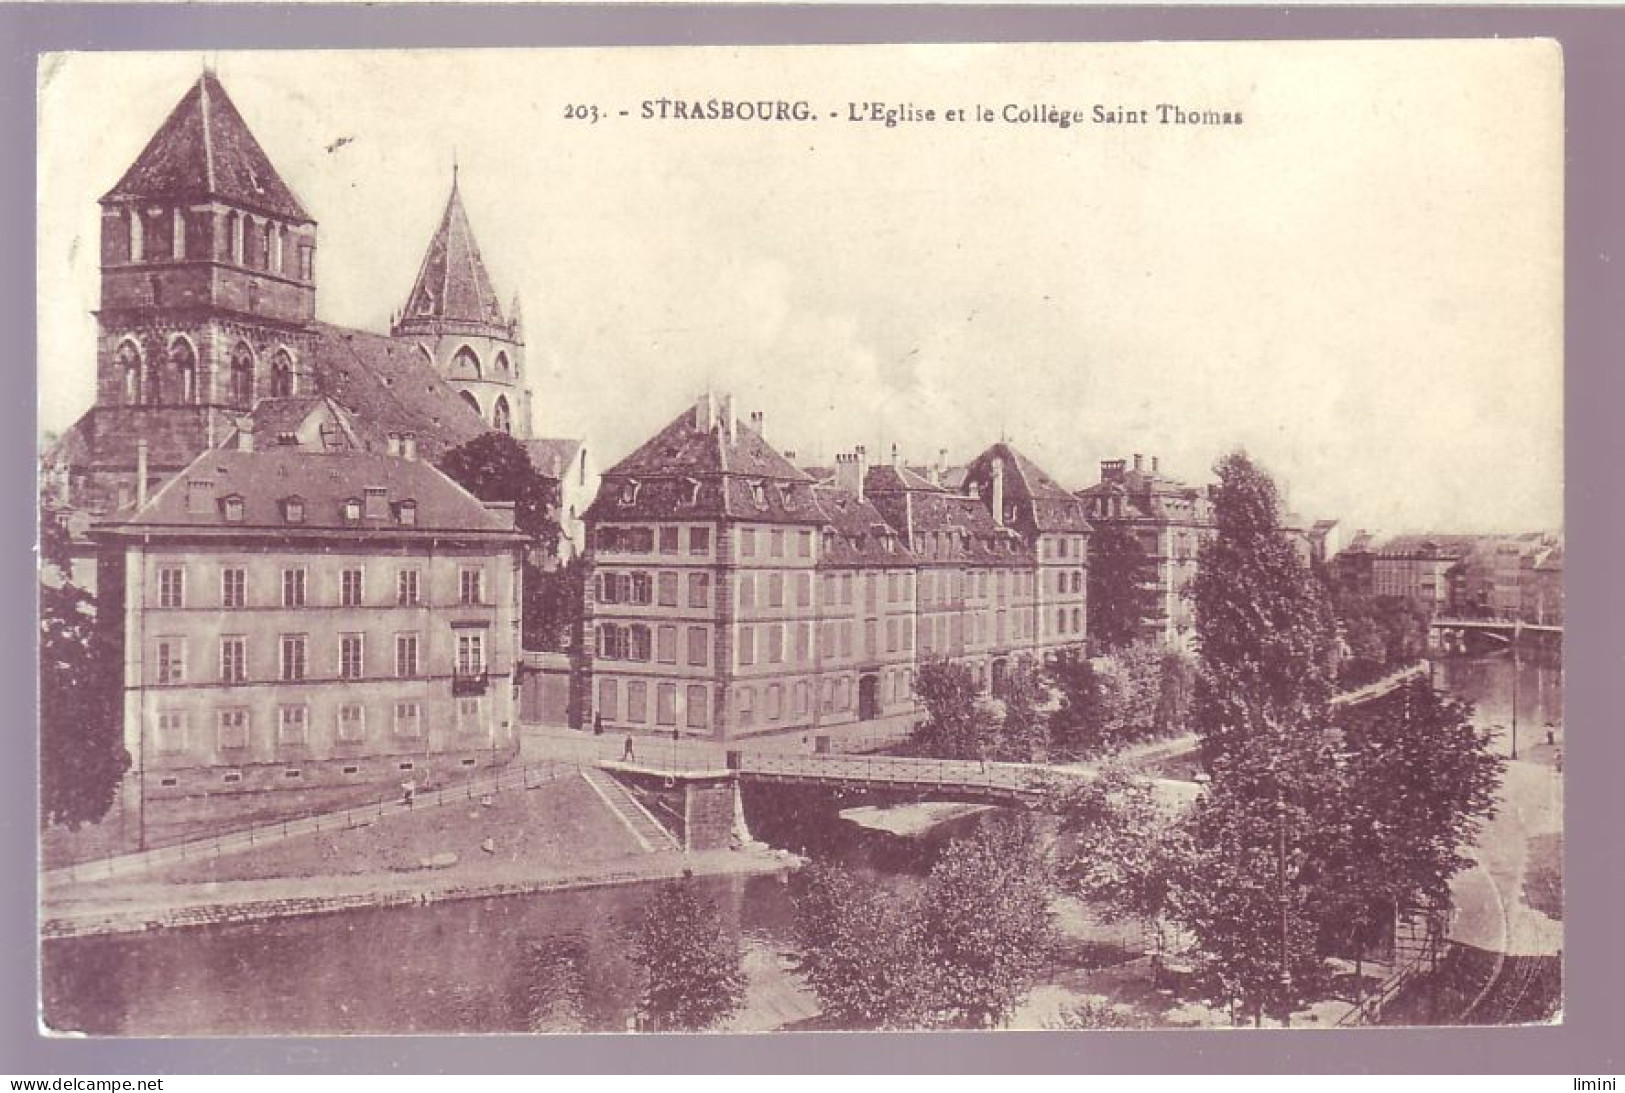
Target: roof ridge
x,y
208,138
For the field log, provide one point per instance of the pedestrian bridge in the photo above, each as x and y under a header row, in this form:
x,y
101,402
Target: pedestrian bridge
x,y
1505,629
970,780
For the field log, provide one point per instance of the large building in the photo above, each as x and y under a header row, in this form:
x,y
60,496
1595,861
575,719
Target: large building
x,y
208,324
732,594
1172,521
304,619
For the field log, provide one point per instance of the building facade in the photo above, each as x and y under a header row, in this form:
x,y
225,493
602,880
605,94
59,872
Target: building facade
x,y
297,619
730,594
1172,521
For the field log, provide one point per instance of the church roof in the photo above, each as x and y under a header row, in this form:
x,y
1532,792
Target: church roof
x,y
453,285
204,149
552,456
389,386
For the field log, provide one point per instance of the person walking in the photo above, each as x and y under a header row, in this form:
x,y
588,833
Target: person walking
x,y
626,752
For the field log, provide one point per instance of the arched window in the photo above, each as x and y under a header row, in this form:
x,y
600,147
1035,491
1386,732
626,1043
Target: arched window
x,y
283,381
503,366
500,417
234,236
268,242
242,376
466,362
473,403
184,361
129,365
428,357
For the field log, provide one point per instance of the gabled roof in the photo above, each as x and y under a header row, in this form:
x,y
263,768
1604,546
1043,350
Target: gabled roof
x,y
553,456
452,284
324,482
204,149
684,447
861,533
388,386
1024,480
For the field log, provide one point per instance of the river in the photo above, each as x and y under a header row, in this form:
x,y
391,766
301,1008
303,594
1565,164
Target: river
x,y
552,961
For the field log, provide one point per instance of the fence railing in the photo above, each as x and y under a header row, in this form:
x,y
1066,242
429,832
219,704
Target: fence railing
x,y
1367,1009
1017,778
134,863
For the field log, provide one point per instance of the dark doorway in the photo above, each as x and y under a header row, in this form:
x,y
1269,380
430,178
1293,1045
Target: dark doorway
x,y
868,698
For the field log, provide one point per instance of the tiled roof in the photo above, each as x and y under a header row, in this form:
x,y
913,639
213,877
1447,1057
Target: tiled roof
x,y
264,479
388,386
453,285
890,479
684,448
553,456
204,149
861,532
1024,479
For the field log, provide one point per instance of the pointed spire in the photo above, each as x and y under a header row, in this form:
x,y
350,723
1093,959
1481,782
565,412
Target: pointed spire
x,y
203,150
452,283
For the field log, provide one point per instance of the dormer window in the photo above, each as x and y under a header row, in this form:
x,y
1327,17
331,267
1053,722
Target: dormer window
x,y
293,510
352,510
691,491
375,503
407,513
232,508
629,493
758,494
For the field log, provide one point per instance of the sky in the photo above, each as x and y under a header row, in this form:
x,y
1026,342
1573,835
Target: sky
x,y
1361,284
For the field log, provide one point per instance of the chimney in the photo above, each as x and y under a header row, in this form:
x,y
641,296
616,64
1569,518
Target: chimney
x,y
850,470
998,490
894,454
758,423
1138,463
409,447
141,473
939,469
705,413
393,445
730,420
199,496
245,439
790,454
1156,463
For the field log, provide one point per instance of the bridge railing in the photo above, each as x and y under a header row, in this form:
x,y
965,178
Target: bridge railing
x,y
970,774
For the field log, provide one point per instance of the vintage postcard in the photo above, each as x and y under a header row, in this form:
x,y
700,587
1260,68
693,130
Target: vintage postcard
x,y
755,539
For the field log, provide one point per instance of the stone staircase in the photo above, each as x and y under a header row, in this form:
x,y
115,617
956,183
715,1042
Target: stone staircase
x,y
651,835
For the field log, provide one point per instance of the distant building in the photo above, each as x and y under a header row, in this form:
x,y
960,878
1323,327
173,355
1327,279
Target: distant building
x,y
1172,520
297,619
567,462
1543,587
731,594
1417,568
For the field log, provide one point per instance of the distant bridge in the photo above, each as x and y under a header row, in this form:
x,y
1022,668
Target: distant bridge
x,y
1503,630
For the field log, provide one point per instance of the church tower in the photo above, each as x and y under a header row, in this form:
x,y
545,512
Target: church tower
x,y
453,319
208,294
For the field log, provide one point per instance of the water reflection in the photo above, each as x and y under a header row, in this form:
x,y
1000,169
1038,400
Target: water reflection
x,y
1492,682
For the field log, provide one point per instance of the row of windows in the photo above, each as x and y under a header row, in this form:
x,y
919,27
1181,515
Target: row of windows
x,y
162,235
173,376
633,642
776,544
697,704
294,662
638,587
234,726
294,587
1063,547
641,540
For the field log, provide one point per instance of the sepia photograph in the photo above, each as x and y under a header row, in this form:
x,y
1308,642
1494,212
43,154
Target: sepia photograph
x,y
801,538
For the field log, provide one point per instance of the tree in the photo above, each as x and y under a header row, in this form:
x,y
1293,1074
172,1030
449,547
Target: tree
x,y
1261,705
955,725
960,953
1075,726
495,467
1419,780
1140,692
692,968
1120,597
1132,853
986,917
1023,733
861,950
82,755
